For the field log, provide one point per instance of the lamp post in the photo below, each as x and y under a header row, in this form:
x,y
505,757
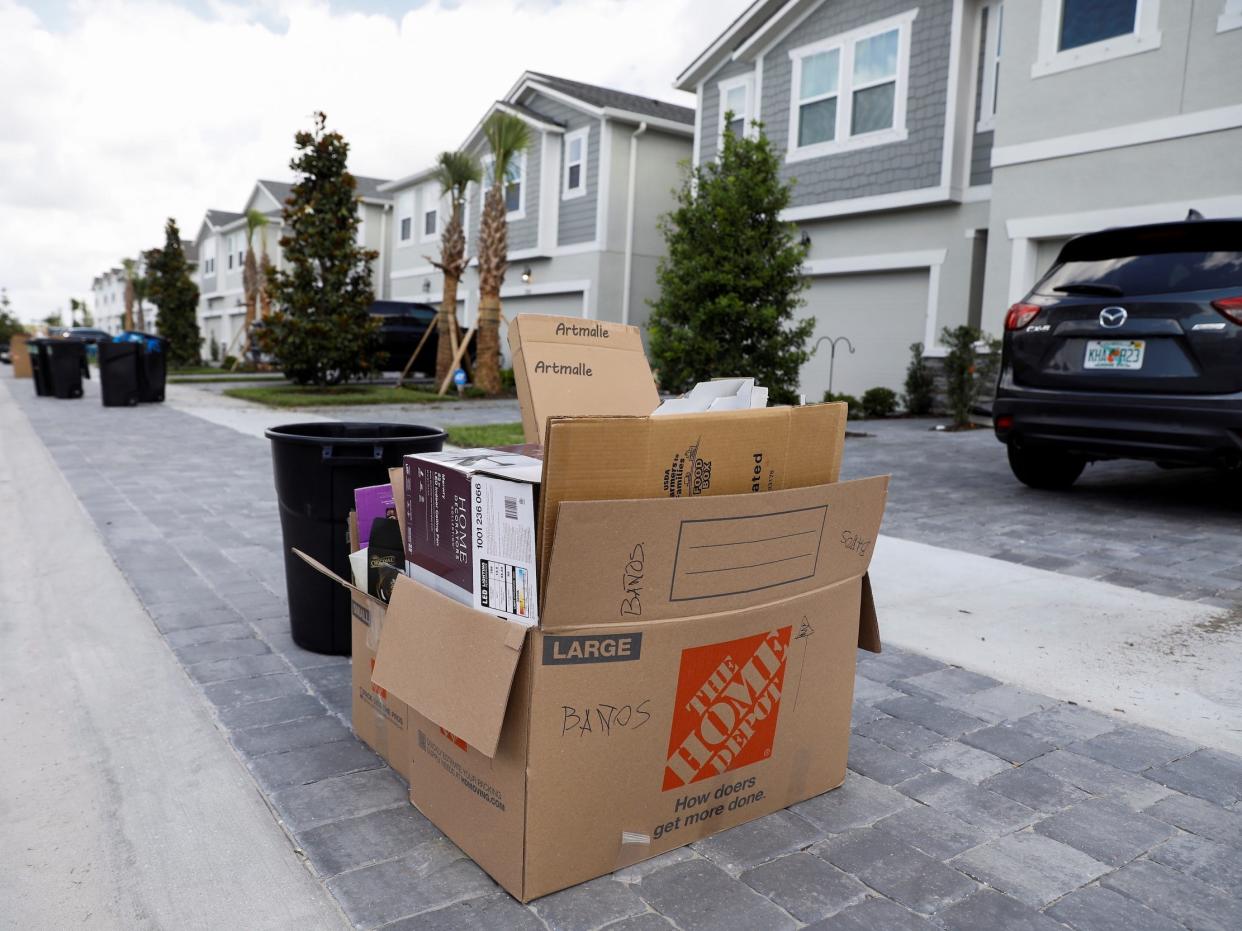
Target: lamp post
x,y
832,353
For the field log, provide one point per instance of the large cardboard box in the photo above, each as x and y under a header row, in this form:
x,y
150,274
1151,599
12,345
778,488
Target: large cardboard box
x,y
569,365
693,669
19,351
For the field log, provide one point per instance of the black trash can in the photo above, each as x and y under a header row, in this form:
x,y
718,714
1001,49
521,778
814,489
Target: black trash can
x,y
67,359
153,368
118,373
317,466
40,366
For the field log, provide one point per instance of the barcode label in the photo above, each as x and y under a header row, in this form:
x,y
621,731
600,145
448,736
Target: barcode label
x,y
511,508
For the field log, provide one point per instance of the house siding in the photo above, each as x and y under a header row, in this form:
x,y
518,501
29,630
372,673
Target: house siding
x,y
523,233
885,169
980,142
576,217
710,121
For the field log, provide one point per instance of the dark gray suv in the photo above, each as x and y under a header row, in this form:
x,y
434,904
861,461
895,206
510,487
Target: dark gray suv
x,y
1130,347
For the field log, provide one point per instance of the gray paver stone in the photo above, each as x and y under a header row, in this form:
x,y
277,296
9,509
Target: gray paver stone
x,y
1204,859
881,763
699,896
988,910
229,648
1134,749
1095,908
896,869
1207,774
969,802
1030,867
307,806
952,681
486,913
1034,788
869,691
376,895
1109,832
244,691
238,667
1001,703
902,736
353,842
896,664
648,921
272,711
1176,895
290,735
1008,743
636,871
311,764
806,886
859,801
758,841
216,633
875,915
968,763
935,833
1062,724
1200,817
589,905
1100,779
931,715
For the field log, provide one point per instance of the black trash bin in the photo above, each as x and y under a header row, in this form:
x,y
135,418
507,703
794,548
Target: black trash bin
x,y
317,466
153,368
40,366
67,364
118,373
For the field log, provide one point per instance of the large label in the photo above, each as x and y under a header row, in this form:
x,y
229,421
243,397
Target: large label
x,y
727,705
599,648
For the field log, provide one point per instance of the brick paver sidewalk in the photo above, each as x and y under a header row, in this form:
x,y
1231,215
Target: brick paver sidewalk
x,y
971,804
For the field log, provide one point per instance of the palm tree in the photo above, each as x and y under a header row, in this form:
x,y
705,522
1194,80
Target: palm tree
x,y
131,274
140,288
252,281
455,171
508,136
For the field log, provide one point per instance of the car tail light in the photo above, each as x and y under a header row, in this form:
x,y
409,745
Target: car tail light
x,y
1020,315
1004,422
1231,307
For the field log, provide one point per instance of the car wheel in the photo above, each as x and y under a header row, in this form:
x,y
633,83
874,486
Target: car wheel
x,y
1046,469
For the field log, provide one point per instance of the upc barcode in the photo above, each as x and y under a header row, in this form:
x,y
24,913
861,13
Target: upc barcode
x,y
511,508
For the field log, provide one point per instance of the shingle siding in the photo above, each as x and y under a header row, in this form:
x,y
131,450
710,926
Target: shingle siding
x,y
900,166
710,120
577,216
523,233
981,142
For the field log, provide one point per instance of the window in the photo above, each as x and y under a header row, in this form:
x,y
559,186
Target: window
x,y
573,184
405,216
430,226
1230,17
849,92
989,64
1077,33
735,95
209,257
514,195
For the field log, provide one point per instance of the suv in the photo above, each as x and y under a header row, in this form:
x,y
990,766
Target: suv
x,y
1130,347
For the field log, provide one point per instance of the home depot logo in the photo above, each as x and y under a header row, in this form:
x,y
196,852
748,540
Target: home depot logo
x,y
728,702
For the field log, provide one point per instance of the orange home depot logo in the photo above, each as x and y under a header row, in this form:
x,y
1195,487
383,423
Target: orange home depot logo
x,y
378,690
728,701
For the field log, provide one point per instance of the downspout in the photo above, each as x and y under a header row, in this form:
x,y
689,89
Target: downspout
x,y
383,252
631,195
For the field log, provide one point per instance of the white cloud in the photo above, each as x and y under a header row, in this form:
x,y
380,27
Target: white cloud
x,y
130,112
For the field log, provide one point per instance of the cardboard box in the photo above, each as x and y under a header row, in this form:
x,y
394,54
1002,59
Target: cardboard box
x,y
564,366
19,352
694,669
470,528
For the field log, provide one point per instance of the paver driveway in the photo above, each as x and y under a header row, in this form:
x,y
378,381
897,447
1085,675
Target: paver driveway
x,y
971,803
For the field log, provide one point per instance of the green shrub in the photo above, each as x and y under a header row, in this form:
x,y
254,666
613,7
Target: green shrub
x,y
507,382
969,372
229,362
879,402
851,402
920,383
214,350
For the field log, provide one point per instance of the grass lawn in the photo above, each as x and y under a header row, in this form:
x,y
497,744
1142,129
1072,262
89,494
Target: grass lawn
x,y
198,370
487,434
336,396
178,379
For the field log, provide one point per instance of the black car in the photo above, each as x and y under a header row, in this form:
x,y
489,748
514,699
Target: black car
x,y
86,334
402,325
1130,347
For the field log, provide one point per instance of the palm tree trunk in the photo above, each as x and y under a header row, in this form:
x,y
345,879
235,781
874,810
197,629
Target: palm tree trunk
x,y
446,323
487,369
142,319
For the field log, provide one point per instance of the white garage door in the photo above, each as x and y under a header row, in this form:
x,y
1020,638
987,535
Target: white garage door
x,y
881,313
557,305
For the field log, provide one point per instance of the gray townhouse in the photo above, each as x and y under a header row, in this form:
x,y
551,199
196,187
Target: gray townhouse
x,y
583,205
943,150
221,250
108,295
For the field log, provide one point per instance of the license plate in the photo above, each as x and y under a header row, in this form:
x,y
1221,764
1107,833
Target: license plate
x,y
1125,354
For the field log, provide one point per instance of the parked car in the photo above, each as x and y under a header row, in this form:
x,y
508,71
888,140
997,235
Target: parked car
x,y
1130,347
86,334
402,325
6,356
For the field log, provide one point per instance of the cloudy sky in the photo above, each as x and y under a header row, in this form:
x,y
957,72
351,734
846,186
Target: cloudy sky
x,y
115,114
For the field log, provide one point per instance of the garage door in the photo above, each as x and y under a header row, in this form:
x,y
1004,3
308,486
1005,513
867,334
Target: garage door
x,y
881,313
558,305
1045,254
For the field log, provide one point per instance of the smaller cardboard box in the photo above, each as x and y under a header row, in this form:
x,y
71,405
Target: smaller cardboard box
x,y
470,528
566,366
20,354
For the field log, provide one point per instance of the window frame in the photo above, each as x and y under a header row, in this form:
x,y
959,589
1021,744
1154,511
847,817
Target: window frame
x,y
723,89
844,140
582,135
487,163
990,60
429,193
1051,59
405,211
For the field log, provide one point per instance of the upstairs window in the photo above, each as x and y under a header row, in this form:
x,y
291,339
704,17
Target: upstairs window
x,y
405,216
514,178
1078,33
574,180
849,92
430,224
1085,22
735,99
989,64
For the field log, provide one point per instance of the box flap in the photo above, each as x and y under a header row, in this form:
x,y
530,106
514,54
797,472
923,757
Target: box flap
x,y
619,561
396,478
449,662
566,366
686,456
324,570
868,623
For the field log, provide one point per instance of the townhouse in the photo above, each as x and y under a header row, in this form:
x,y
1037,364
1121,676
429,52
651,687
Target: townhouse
x,y
108,295
583,204
221,251
943,150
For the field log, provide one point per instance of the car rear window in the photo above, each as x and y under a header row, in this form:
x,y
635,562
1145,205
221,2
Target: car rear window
x,y
1153,273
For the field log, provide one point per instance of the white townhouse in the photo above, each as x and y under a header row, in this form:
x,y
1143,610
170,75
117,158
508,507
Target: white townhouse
x,y
221,250
108,295
583,205
944,150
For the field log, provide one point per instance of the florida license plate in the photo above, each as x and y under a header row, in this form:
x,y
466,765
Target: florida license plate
x,y
1124,354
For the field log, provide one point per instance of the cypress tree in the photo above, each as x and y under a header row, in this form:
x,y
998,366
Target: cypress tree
x,y
171,289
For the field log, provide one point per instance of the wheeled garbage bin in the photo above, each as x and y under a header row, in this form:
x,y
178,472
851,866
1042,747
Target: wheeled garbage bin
x,y
151,362
317,466
66,365
40,366
118,373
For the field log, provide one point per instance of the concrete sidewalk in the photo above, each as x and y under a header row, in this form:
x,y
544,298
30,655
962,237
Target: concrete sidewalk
x,y
122,804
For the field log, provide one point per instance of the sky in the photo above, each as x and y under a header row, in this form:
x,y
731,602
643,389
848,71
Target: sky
x,y
117,114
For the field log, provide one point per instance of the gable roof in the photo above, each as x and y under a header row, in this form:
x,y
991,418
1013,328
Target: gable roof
x,y
602,97
218,218
750,21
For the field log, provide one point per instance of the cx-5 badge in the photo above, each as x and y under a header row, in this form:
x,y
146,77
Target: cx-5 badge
x,y
1113,317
